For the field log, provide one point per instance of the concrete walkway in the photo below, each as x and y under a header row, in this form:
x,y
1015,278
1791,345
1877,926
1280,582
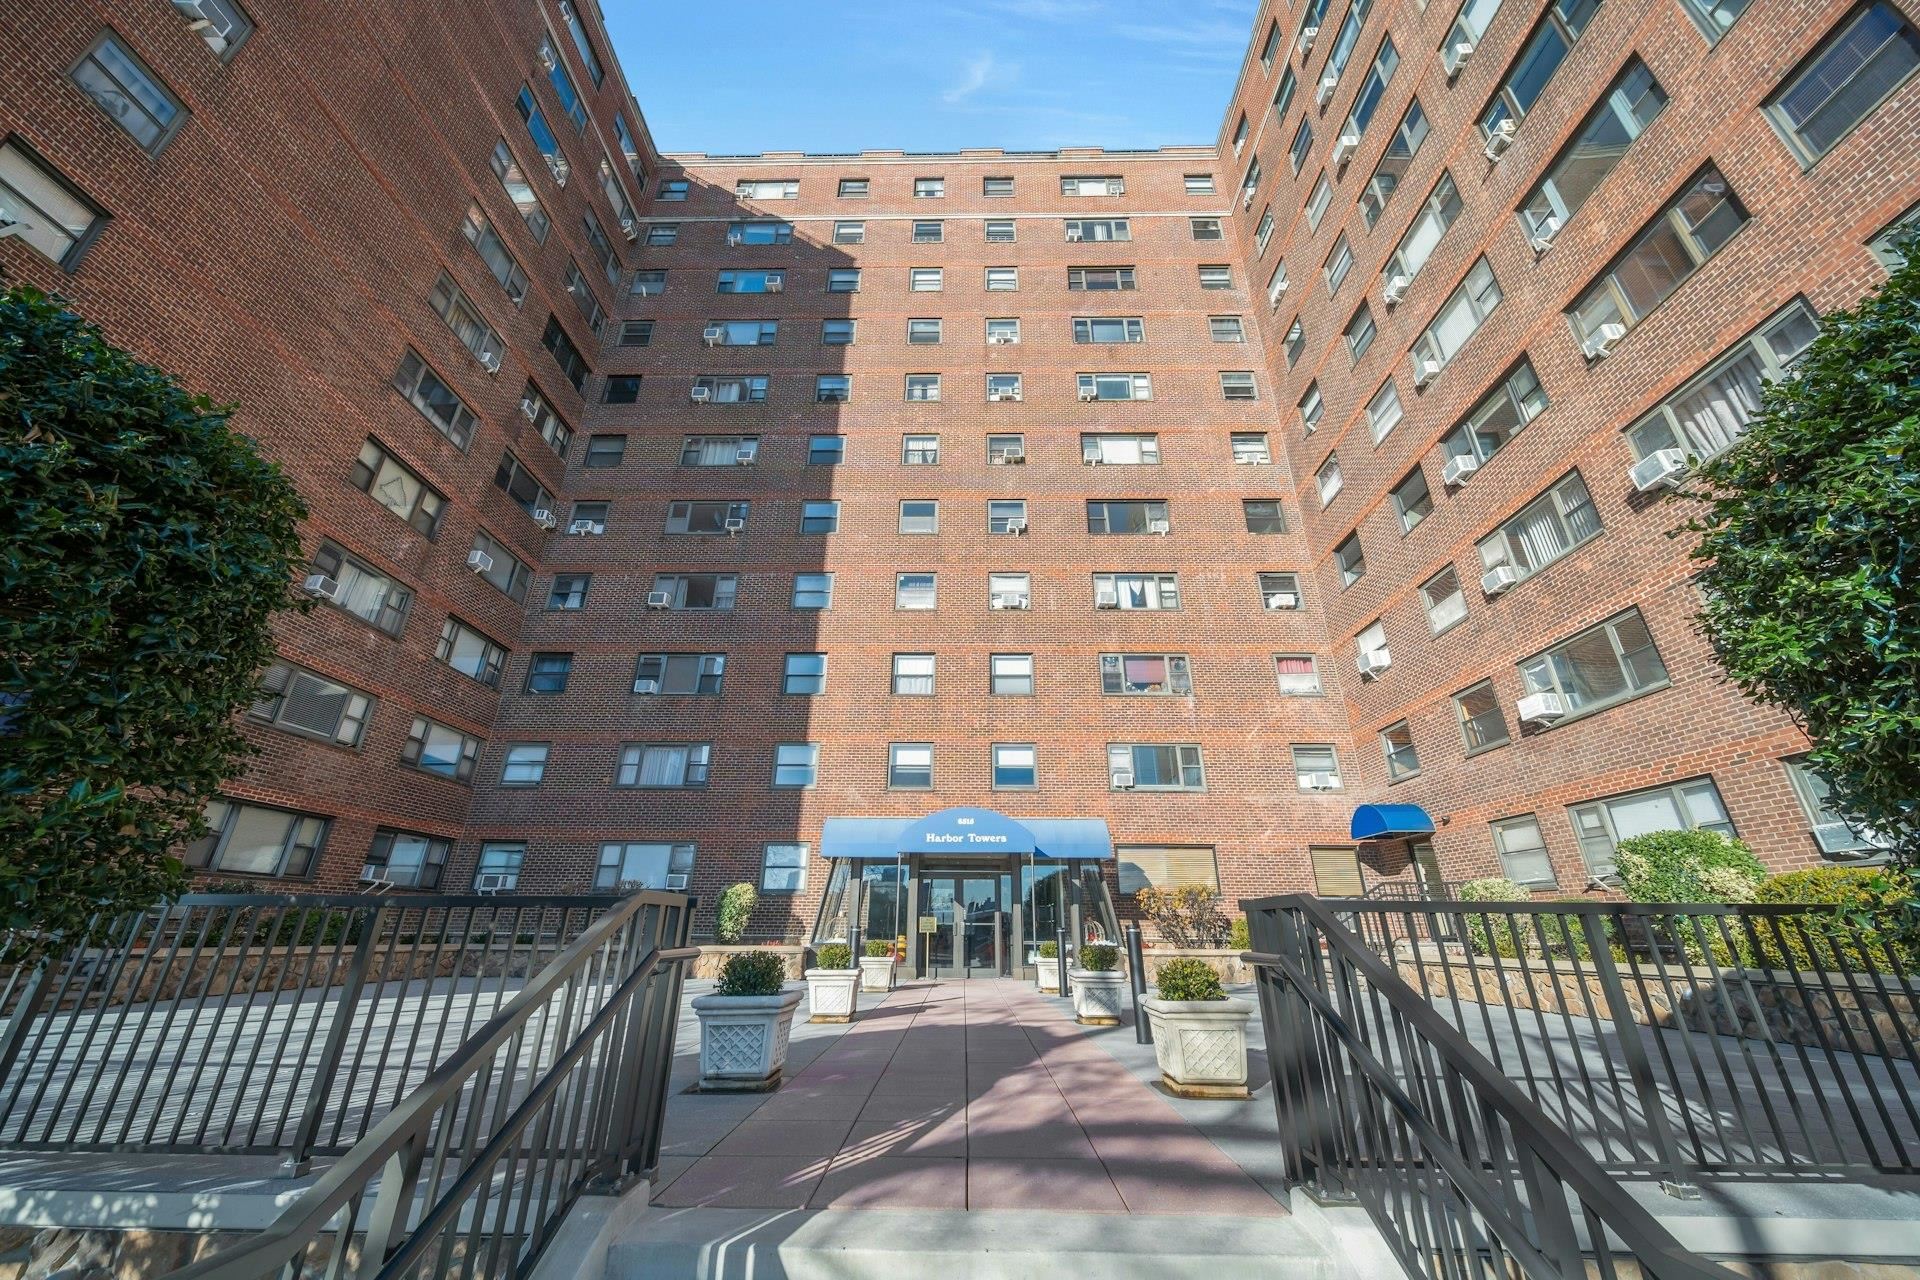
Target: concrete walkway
x,y
976,1096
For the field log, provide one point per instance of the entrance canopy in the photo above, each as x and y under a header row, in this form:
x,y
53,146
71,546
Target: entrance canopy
x,y
965,832
1390,822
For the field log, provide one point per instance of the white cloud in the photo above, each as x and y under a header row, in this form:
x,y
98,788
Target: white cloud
x,y
976,76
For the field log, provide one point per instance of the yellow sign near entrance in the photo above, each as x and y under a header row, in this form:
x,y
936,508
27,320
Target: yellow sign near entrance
x,y
929,924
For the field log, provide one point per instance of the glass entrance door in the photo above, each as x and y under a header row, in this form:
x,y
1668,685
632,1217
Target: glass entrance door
x,y
969,926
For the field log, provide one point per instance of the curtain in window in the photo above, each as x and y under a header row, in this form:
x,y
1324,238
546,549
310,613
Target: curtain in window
x,y
259,838
1142,672
1589,670
1133,592
729,392
1537,536
663,766
361,594
1421,239
1717,413
1297,674
1453,326
717,452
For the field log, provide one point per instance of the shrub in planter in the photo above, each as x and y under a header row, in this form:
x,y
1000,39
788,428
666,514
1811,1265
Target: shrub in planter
x,y
752,973
1492,935
1099,957
876,966
1049,951
1199,1034
745,1023
1874,923
730,916
1188,979
1098,986
878,947
833,984
1048,969
1237,935
833,955
1687,866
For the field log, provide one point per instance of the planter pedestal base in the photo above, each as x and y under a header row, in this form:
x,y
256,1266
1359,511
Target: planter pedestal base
x,y
831,1017
767,1085
1178,1090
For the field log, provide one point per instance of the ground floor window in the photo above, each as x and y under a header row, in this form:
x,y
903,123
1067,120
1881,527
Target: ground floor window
x,y
646,866
1166,866
783,868
253,840
1603,824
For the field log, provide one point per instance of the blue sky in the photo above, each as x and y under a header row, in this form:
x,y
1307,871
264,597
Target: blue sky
x,y
930,75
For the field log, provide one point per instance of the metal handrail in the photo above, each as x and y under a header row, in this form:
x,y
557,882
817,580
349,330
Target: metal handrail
x,y
1531,1226
422,1125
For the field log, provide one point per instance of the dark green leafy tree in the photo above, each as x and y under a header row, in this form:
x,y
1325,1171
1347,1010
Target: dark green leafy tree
x,y
144,550
1810,556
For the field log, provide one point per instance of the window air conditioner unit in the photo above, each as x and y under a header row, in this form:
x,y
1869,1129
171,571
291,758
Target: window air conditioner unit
x,y
736,238
374,875
1014,457
321,587
659,600
1122,779
1498,579
544,518
491,361
1425,371
1500,140
676,880
479,561
1016,526
1106,599
999,339
1307,36
547,59
1116,188
1073,233
530,407
1319,782
1458,469
630,229
585,528
743,457
491,882
1541,708
1283,600
1661,469
1324,94
1094,460
646,686
712,335
1277,291
1088,395
995,397
1601,345
775,286
702,394
1246,201
1159,526
1838,837
733,524
560,169
1396,288
1455,56
1344,146
1543,240
1009,601
1373,661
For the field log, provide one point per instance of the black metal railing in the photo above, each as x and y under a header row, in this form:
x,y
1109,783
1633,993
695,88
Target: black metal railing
x,y
1382,1101
261,1023
560,1092
1678,1042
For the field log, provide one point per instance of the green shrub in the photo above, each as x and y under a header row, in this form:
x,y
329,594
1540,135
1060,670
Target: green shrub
x,y
1237,936
752,973
1493,935
1687,866
1188,979
1560,935
1049,951
1100,957
833,955
878,947
735,908
1874,922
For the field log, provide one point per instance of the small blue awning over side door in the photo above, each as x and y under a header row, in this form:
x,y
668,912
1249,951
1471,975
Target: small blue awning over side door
x,y
1390,822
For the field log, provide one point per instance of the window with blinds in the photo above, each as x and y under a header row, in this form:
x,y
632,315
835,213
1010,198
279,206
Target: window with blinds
x,y
1336,872
1165,866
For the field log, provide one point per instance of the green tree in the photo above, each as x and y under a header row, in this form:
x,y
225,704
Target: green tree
x,y
144,549
1809,547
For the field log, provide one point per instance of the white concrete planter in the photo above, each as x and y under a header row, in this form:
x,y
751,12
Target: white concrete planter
x,y
1098,996
1201,1045
833,995
1048,967
876,973
743,1039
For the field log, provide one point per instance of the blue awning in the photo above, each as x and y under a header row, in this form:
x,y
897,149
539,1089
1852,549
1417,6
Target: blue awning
x,y
1390,822
965,832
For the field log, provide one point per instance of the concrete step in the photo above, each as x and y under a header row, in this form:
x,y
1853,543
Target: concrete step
x,y
887,1244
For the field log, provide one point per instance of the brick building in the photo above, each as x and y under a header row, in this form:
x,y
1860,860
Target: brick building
x,y
705,517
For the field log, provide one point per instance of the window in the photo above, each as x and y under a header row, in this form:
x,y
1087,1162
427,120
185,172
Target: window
x,y
923,332
919,451
1103,185
621,389
1263,515
1226,329
499,865
1250,184
783,868
731,390
996,187
1151,591
1316,767
767,189
549,672
1422,238
1348,36
694,591
1853,71
805,673
396,486
1128,516
1598,668
1250,448
1240,133
437,748
569,97
913,674
1003,279
919,515
740,333
362,590
1206,229
1661,258
1359,333
1004,387
671,764
1460,317
1091,329
305,703
854,188
220,23
1350,560
1549,527
1115,386
253,840
1296,341
1120,450
636,333
1629,106
832,388
1412,500
581,44
651,284
1328,480
812,591
849,233
1384,412
1238,386
1216,277
680,674
1483,725
1312,408
1712,411
673,188
1603,824
1831,830
1149,767
929,232
132,96
470,653
464,319
1145,674
1396,743
1523,853
706,517
1301,146
915,591
493,251
513,181
924,279
567,356
1000,231
1338,263
719,451
759,233
569,591
836,333
929,188
1010,675
826,451
820,517
498,567
1007,515
1317,201
1886,245
649,866
1014,767
406,860
524,764
1440,595
1518,400
1545,50
1372,89
1385,180
543,137
1197,184
1009,591
1279,591
843,280
1098,229
1003,332
1099,279
910,766
1298,674
744,282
